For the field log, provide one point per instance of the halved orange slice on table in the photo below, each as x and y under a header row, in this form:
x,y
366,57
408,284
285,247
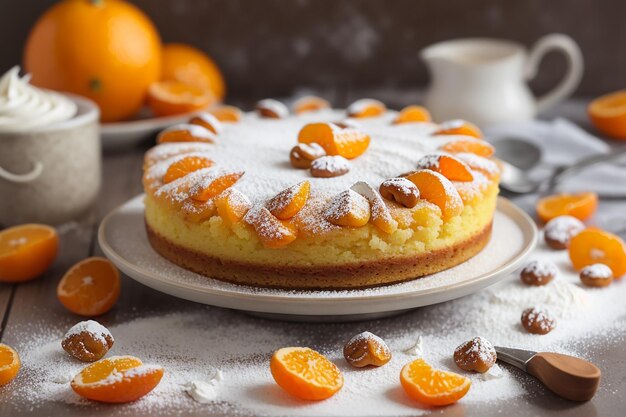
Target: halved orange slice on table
x,y
593,246
9,364
27,251
432,386
608,114
118,379
581,205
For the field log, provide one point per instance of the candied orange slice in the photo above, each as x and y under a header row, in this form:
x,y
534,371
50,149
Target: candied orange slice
x,y
9,364
438,190
272,232
459,127
411,114
90,288
305,373
213,185
450,167
348,208
346,142
185,166
432,386
366,107
593,246
228,114
608,114
289,202
167,98
118,379
232,205
27,251
480,148
309,104
380,213
582,206
207,121
186,132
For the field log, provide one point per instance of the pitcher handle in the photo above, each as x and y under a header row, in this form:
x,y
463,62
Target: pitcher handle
x,y
570,81
22,178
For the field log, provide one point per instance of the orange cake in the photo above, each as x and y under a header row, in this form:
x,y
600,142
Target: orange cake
x,y
320,199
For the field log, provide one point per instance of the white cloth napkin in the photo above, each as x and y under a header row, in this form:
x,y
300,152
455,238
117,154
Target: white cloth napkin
x,y
563,143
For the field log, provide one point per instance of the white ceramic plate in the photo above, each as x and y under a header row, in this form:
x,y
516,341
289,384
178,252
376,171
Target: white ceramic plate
x,y
123,239
125,134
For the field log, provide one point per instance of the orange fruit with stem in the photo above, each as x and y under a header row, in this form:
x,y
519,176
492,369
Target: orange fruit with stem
x,y
450,167
185,166
582,206
346,142
593,246
305,373
191,66
459,127
228,114
106,50
438,190
608,114
118,379
289,202
480,148
9,364
411,114
27,251
186,132
167,98
90,288
432,386
213,185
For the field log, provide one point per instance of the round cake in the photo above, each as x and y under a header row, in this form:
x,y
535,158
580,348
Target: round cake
x,y
319,198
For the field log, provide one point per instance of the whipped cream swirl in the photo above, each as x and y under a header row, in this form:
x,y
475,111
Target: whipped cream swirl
x,y
24,107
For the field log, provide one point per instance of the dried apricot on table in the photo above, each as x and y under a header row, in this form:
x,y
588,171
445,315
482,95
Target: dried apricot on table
x,y
366,349
459,127
27,251
290,201
167,98
366,107
438,190
228,114
593,246
272,232
232,205
118,379
447,165
185,166
87,341
432,386
411,114
582,206
608,114
309,104
90,288
477,147
186,132
9,364
207,121
346,142
305,373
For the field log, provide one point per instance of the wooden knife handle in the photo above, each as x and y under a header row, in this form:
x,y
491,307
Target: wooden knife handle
x,y
567,376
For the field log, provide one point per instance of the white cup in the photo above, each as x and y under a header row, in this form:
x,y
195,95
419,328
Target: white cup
x,y
51,174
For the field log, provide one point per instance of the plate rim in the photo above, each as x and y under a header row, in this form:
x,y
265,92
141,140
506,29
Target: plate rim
x,y
137,273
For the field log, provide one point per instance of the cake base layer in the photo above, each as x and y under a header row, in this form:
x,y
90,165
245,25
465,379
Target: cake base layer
x,y
321,277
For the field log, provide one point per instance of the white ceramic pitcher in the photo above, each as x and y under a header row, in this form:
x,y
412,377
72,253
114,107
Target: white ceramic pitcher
x,y
484,80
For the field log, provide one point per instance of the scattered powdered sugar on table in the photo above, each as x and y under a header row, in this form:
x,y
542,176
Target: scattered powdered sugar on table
x,y
193,343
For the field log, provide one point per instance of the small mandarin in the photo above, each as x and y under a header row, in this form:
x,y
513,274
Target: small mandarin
x,y
27,251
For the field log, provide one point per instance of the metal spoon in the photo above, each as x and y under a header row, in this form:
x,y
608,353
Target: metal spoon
x,y
567,376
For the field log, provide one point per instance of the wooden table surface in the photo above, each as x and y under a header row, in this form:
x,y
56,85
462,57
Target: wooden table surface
x,y
35,302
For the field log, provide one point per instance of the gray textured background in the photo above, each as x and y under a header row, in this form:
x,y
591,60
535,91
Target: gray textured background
x,y
270,47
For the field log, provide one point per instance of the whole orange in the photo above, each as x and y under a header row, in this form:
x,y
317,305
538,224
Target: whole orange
x,y
106,50
191,66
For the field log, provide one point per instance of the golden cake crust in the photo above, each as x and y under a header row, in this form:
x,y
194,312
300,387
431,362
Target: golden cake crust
x,y
332,277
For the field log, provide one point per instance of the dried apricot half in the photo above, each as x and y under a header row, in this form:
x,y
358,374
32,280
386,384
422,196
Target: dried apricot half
x,y
432,386
582,206
27,251
305,373
90,288
346,142
118,379
595,246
